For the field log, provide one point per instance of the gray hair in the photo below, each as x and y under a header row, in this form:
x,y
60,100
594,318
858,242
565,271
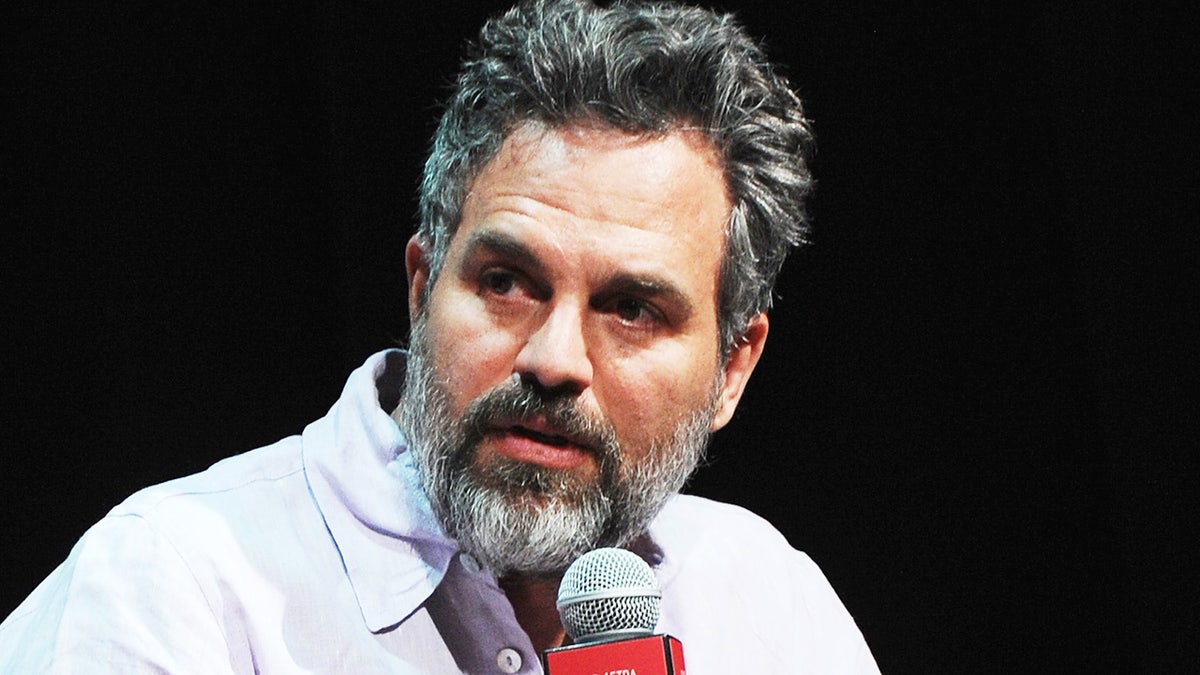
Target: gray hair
x,y
647,68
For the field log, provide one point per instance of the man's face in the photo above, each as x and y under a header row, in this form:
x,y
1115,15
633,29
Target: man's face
x,y
566,359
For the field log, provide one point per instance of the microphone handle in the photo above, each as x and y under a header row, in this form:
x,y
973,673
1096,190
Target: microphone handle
x,y
649,655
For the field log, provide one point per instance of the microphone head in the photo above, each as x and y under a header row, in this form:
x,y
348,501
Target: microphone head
x,y
608,593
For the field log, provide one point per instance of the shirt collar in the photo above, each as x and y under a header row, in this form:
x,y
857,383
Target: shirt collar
x,y
364,483
363,480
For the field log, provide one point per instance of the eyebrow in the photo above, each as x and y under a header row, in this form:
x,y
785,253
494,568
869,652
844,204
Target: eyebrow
x,y
651,287
501,244
628,283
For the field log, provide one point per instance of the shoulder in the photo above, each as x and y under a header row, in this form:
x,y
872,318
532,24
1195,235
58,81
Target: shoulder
x,y
238,514
732,583
193,529
688,526
239,475
153,581
123,599
163,530
706,540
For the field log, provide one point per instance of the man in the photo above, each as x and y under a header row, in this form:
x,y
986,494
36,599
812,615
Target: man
x,y
610,195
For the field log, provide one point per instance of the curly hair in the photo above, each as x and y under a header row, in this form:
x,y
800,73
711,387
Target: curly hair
x,y
646,68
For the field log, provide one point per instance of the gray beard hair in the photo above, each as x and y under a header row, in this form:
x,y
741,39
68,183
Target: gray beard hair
x,y
518,517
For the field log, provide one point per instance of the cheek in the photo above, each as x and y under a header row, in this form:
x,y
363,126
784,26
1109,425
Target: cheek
x,y
647,398
470,356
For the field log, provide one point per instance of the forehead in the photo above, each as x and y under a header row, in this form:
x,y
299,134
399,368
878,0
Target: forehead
x,y
606,157
589,177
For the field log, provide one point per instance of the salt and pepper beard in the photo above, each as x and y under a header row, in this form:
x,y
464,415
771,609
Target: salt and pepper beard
x,y
518,517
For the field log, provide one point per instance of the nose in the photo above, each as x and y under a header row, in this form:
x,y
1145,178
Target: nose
x,y
556,356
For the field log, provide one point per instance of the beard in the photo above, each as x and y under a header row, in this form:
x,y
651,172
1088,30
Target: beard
x,y
517,517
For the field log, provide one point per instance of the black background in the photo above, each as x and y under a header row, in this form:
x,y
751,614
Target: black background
x,y
977,405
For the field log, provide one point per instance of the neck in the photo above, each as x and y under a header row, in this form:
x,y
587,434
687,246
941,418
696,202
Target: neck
x,y
533,600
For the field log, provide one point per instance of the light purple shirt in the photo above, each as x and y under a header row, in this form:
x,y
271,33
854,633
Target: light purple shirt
x,y
319,554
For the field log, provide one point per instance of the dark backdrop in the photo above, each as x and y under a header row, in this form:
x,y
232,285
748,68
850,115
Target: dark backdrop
x,y
976,407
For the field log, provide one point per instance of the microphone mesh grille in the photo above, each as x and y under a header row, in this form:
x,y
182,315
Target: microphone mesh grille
x,y
630,602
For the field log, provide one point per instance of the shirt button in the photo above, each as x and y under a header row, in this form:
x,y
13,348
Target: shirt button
x,y
470,564
508,660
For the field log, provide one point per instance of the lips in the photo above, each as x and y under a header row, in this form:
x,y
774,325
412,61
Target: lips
x,y
549,439
538,442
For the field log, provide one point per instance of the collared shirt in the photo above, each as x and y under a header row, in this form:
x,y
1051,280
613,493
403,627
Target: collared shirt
x,y
320,554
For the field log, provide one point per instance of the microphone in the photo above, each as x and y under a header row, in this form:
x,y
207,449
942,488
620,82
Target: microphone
x,y
609,604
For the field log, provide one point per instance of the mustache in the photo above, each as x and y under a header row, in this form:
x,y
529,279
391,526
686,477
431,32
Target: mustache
x,y
516,402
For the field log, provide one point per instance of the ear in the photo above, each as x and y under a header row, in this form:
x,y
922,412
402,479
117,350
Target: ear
x,y
742,360
416,263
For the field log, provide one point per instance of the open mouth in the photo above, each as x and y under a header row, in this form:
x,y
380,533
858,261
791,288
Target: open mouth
x,y
538,442
540,437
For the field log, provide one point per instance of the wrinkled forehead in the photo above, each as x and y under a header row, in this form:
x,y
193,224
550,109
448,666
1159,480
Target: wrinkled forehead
x,y
530,142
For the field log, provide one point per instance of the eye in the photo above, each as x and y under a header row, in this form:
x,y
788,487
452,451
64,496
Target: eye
x,y
498,281
629,309
635,312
